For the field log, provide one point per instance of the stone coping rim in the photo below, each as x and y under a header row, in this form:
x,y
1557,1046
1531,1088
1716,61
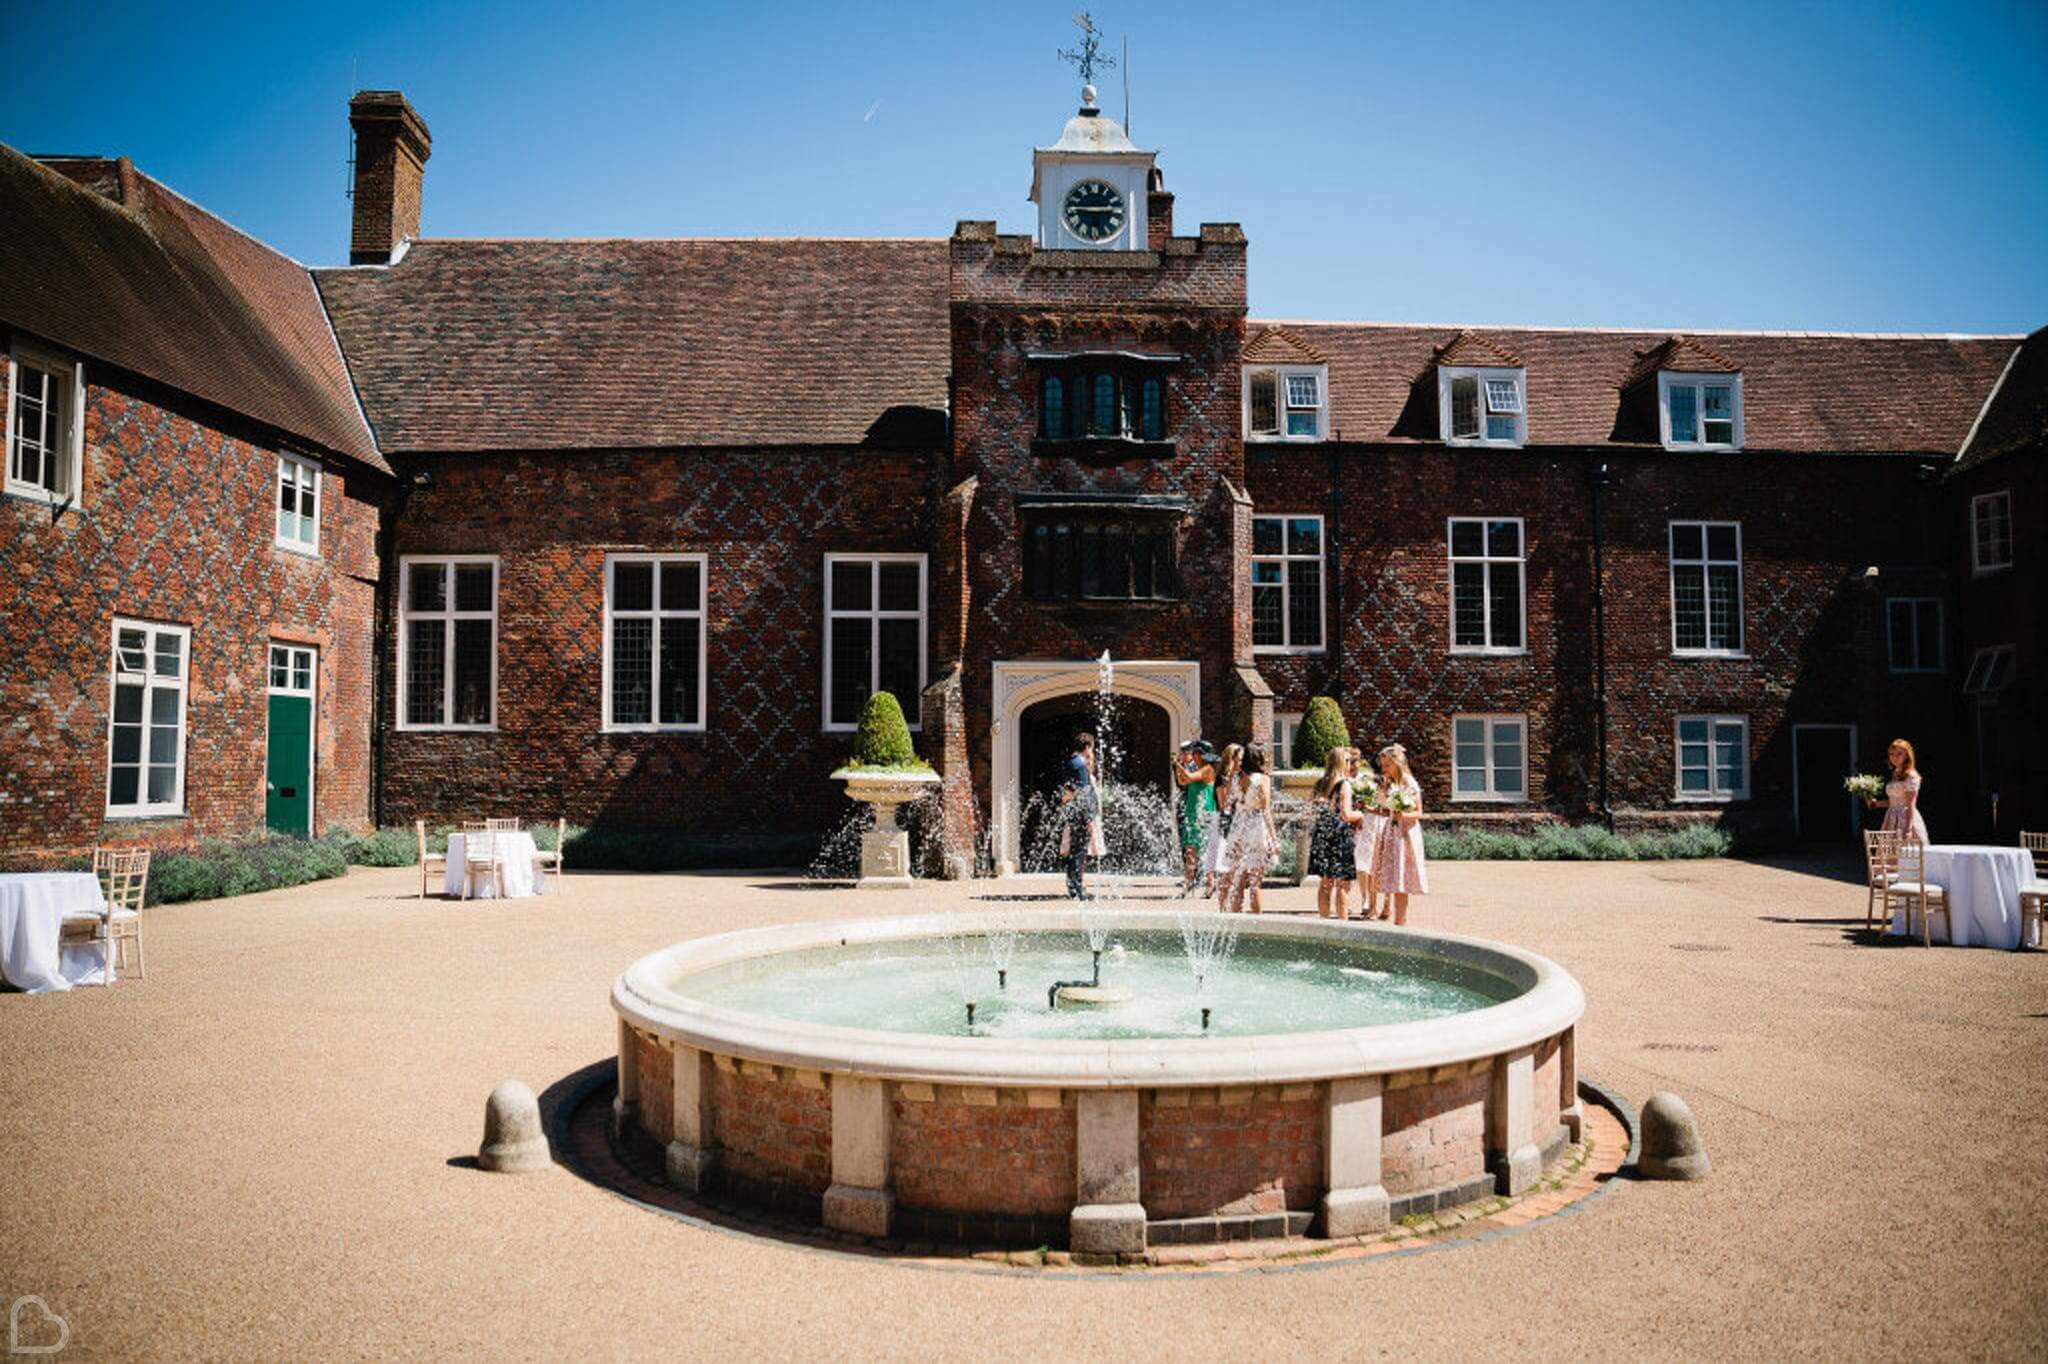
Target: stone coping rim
x,y
1551,1001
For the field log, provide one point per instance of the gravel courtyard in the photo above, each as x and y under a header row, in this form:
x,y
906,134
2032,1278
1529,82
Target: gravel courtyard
x,y
256,1152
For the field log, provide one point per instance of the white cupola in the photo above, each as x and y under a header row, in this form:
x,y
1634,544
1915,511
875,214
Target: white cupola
x,y
1090,186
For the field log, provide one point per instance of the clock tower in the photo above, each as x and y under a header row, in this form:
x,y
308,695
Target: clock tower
x,y
1090,186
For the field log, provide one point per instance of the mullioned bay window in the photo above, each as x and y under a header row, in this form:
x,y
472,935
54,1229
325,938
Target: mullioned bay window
x,y
1080,547
1101,401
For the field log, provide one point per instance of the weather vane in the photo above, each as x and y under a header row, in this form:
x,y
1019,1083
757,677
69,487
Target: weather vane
x,y
1088,58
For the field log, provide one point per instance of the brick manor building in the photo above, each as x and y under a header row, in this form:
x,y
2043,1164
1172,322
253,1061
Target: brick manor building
x,y
628,530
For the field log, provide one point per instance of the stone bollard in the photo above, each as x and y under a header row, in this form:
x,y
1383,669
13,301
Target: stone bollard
x,y
1671,1141
513,1140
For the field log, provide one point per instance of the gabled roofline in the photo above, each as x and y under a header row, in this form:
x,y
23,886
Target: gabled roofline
x,y
1482,327
1990,398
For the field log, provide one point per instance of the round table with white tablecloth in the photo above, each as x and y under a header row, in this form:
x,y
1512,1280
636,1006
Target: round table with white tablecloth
x,y
1983,885
515,856
33,907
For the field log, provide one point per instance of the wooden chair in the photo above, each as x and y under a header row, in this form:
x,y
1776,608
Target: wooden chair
x,y
1881,865
1921,899
482,856
550,859
124,877
428,860
475,826
2031,897
509,826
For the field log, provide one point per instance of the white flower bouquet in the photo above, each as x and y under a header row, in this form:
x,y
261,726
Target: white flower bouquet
x,y
1397,801
1365,791
1864,785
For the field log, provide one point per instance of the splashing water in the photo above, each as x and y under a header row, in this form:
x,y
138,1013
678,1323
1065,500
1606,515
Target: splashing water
x,y
1208,937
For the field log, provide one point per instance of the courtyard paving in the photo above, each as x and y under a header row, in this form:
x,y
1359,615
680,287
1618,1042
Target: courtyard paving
x,y
261,1150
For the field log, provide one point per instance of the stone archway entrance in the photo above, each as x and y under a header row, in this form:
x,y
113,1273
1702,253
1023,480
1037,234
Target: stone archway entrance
x,y
1036,708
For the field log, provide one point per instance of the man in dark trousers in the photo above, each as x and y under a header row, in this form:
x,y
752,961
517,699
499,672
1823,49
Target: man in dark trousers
x,y
1083,808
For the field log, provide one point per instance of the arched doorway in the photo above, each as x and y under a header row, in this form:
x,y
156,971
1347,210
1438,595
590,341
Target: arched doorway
x,y
1135,748
1151,694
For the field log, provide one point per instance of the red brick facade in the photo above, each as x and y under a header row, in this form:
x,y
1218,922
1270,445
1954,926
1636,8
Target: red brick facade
x,y
176,524
1221,1153
1433,1127
770,1129
1002,1156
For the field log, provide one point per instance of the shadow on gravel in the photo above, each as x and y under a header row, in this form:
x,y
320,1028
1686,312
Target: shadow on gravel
x,y
801,885
1828,864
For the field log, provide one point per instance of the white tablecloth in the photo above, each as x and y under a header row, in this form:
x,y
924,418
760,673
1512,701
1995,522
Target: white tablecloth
x,y
32,910
515,853
1983,885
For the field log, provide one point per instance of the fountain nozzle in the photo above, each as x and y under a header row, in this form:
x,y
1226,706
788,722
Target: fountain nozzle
x,y
1098,966
1002,980
970,1013
1205,1017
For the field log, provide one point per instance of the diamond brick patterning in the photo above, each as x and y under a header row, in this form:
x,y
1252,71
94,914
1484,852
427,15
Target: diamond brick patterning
x,y
764,521
1813,628
176,522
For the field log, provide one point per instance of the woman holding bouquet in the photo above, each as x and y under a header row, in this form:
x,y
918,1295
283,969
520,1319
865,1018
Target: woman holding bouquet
x,y
1229,786
1398,863
1365,839
1901,799
1329,852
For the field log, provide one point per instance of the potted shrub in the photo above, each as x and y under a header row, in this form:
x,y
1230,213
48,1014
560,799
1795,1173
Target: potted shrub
x,y
1322,729
886,772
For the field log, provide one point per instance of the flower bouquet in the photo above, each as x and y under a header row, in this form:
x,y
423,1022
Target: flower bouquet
x,y
1864,785
1365,791
1397,801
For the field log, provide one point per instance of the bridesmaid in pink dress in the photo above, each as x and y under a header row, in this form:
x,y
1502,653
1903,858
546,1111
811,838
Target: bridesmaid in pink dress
x,y
1398,865
1901,803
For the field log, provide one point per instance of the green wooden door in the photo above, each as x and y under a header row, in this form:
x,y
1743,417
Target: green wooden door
x,y
288,769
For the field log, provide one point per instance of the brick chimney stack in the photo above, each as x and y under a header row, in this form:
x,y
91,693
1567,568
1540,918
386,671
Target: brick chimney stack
x,y
1158,211
392,147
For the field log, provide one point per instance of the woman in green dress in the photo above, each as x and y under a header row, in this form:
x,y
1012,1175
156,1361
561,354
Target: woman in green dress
x,y
1194,772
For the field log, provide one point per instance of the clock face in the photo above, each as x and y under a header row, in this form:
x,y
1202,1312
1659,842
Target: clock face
x,y
1094,211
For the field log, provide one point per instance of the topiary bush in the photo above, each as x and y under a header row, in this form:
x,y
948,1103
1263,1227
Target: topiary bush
x,y
1322,729
883,737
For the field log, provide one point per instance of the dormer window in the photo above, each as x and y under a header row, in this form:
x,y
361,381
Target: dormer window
x,y
1286,403
1482,406
1700,411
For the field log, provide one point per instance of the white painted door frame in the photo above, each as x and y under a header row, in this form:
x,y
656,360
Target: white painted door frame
x,y
1175,687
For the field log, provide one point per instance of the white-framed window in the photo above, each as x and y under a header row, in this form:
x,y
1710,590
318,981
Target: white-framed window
x,y
146,740
1286,725
1700,411
291,669
448,642
1489,757
1488,594
1706,587
298,504
1991,670
1713,757
654,673
1482,406
1287,584
45,426
874,634
1287,402
1991,532
1912,627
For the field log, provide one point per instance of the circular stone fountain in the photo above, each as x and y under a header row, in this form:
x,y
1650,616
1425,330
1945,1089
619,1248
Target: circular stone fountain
x,y
1324,1078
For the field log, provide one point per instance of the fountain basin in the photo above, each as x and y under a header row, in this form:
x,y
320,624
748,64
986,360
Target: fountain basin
x,y
1098,1142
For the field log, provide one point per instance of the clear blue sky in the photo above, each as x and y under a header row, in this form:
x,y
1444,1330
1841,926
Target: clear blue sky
x,y
1734,165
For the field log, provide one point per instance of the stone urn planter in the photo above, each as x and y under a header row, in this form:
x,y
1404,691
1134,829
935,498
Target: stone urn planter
x,y
1299,783
885,849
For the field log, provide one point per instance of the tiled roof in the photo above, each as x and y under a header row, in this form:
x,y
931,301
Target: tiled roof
x,y
1278,346
1679,355
1469,348
1828,393
2016,416
530,345
151,283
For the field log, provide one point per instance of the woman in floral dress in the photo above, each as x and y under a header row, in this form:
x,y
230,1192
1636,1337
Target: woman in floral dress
x,y
1330,856
1398,864
1249,849
1901,803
